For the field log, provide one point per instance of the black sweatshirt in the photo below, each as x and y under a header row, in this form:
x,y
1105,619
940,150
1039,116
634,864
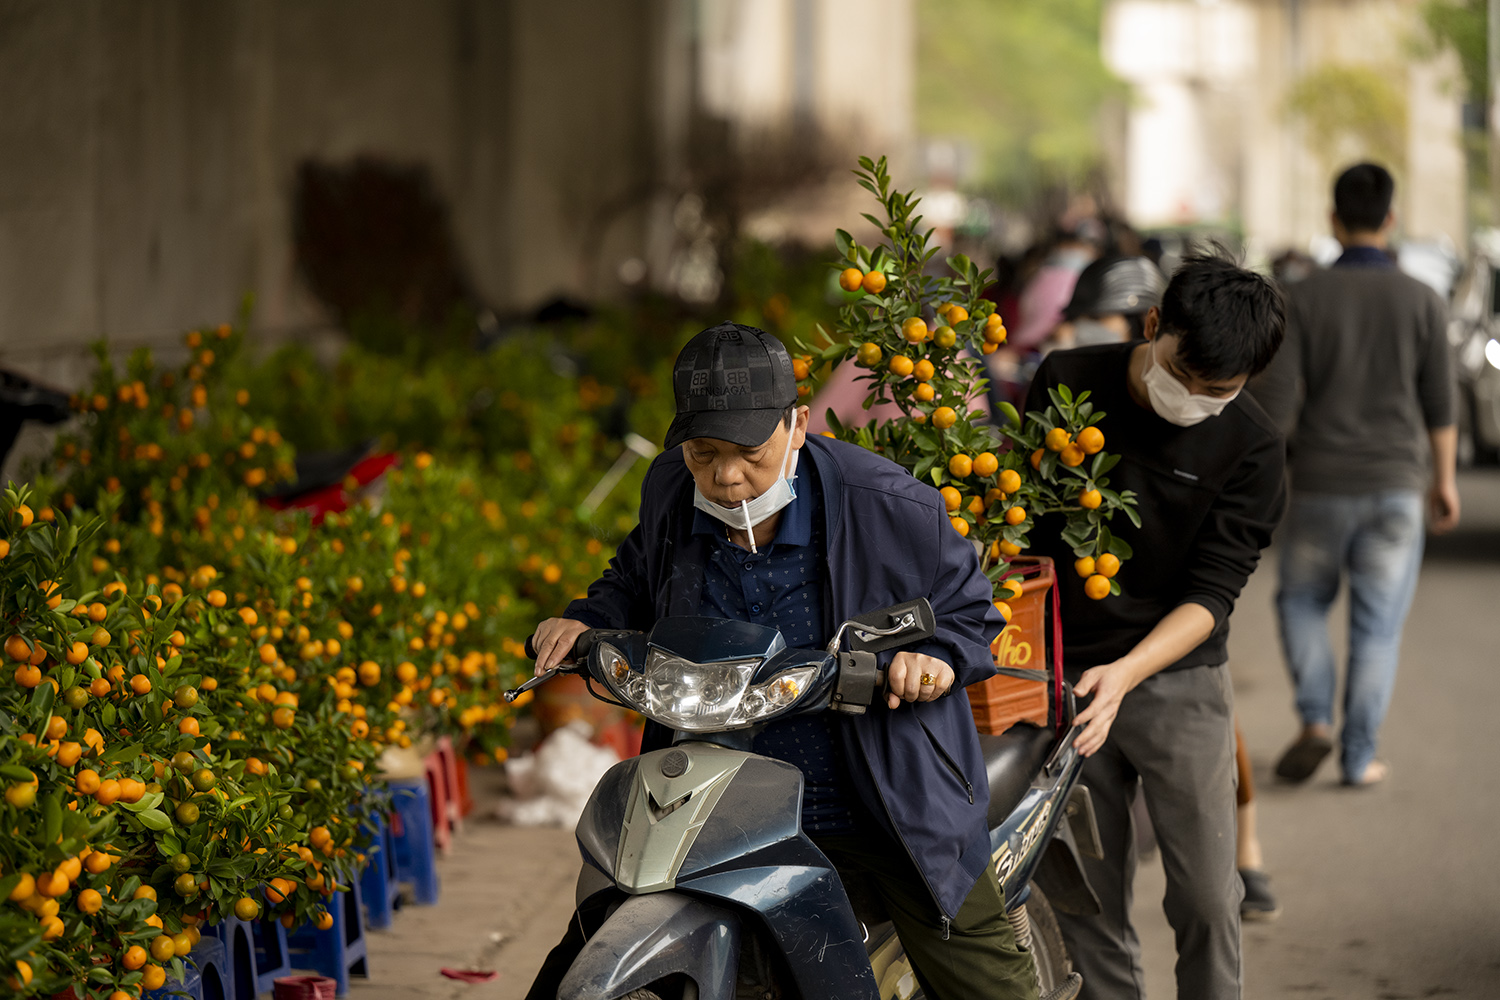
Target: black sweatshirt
x,y
1209,497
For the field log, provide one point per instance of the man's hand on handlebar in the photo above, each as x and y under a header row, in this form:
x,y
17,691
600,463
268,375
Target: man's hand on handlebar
x,y
554,641
904,678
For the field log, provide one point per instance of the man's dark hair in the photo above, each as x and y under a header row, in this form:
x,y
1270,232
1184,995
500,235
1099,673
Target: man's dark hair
x,y
1362,197
1229,321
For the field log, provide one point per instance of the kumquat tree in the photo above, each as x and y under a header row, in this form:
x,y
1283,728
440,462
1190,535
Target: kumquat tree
x,y
199,690
921,339
147,790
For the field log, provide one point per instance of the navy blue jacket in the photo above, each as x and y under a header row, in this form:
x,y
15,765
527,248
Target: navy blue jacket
x,y
888,541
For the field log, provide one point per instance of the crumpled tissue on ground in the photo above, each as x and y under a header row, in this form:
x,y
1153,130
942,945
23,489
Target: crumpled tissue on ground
x,y
551,786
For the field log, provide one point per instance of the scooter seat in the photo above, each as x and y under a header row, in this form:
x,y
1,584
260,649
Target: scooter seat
x,y
1011,761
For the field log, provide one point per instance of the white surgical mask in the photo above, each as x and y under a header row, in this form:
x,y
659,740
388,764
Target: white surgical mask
x,y
1171,399
752,512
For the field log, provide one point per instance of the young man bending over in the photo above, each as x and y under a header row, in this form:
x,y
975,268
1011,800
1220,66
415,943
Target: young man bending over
x,y
1207,466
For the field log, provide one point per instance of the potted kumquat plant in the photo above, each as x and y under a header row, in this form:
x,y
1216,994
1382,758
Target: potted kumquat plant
x,y
920,339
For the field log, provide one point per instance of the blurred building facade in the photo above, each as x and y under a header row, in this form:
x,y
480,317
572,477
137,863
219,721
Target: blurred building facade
x,y
1230,125
153,145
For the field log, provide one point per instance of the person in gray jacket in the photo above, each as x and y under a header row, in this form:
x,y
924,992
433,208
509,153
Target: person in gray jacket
x,y
1363,388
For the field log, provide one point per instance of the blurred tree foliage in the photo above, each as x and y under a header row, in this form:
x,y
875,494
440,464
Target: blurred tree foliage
x,y
1461,26
1022,81
1352,111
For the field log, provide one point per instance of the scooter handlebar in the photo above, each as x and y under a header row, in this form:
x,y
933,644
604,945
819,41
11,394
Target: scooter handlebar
x,y
866,693
581,646
580,654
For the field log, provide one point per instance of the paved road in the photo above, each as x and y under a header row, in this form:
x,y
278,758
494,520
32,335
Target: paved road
x,y
1389,893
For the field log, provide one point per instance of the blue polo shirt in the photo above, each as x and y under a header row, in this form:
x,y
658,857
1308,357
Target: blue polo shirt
x,y
782,587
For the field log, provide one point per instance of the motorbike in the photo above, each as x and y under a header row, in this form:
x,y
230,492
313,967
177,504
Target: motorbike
x,y
698,882
1474,336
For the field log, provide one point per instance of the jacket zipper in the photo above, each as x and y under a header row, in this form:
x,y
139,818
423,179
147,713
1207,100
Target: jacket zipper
x,y
948,761
943,921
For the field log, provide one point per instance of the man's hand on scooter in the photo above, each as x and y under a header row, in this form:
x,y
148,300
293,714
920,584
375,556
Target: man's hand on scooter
x,y
1109,685
904,678
554,641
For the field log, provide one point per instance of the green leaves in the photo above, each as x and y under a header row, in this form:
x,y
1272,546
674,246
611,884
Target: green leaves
x,y
1118,546
1078,536
1054,488
42,699
154,819
122,751
53,816
148,801
8,884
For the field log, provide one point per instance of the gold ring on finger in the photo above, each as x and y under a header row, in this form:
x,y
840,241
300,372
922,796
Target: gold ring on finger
x,y
928,680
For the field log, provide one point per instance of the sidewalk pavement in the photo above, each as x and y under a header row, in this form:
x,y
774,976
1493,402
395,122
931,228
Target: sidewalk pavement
x,y
507,894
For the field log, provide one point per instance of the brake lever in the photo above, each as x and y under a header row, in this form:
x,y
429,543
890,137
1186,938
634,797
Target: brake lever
x,y
582,646
539,680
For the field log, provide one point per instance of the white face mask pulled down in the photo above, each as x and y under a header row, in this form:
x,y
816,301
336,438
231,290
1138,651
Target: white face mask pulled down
x,y
752,512
1171,399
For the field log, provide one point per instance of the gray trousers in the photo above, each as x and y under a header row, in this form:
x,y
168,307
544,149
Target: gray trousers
x,y
1175,733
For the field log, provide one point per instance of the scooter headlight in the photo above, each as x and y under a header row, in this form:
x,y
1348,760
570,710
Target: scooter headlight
x,y
701,697
772,696
628,685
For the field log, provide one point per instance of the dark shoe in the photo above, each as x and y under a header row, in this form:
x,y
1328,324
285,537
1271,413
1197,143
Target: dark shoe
x,y
1302,758
1259,903
1066,990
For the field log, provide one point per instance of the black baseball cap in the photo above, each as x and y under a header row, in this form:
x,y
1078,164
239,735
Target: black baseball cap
x,y
733,383
1124,285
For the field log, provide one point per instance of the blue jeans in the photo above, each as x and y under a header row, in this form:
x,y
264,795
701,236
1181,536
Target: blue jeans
x,y
1377,539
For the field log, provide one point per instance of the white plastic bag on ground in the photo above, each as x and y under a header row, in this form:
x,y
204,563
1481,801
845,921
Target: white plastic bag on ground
x,y
400,764
552,786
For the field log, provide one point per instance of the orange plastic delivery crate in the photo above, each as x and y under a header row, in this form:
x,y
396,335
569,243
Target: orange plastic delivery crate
x,y
1028,637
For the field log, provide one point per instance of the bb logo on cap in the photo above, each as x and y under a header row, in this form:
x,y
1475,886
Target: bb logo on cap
x,y
732,383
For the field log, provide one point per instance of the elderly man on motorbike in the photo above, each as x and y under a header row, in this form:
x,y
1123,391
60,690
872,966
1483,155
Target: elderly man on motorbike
x,y
746,516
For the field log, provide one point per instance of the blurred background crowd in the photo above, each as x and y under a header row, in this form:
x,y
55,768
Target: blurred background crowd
x,y
417,181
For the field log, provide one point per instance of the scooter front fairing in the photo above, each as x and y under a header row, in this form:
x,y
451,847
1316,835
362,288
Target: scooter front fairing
x,y
718,828
650,938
